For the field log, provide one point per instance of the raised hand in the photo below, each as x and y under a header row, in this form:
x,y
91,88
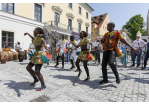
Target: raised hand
x,y
25,34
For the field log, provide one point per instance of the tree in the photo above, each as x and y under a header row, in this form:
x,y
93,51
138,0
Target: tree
x,y
134,25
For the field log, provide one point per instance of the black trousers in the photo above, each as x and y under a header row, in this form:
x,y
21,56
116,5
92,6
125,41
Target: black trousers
x,y
97,55
62,58
109,56
146,58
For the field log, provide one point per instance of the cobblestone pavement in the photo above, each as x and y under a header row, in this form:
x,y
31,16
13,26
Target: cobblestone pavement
x,y
63,85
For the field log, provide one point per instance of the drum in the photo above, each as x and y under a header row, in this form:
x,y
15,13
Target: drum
x,y
17,49
4,56
15,55
10,56
21,55
25,56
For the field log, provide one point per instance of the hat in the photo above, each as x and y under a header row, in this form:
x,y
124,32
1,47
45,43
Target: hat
x,y
139,36
19,42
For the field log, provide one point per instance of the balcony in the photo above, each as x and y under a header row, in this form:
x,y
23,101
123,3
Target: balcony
x,y
61,28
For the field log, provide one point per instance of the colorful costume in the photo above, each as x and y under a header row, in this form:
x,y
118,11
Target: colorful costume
x,y
39,57
85,55
110,40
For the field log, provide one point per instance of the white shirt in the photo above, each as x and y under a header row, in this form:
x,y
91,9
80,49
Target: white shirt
x,y
62,45
31,46
139,43
19,46
72,46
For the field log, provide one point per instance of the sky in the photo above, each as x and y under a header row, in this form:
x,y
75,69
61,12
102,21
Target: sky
x,y
120,13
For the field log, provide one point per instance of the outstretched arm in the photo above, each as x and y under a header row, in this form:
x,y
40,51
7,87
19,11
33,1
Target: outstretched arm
x,y
45,45
125,42
29,35
75,45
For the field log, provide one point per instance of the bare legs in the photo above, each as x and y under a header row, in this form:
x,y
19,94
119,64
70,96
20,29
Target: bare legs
x,y
85,67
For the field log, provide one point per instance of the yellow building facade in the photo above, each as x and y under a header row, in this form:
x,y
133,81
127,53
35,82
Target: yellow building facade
x,y
99,26
59,18
64,10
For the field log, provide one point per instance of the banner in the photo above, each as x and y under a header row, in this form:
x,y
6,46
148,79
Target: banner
x,y
76,36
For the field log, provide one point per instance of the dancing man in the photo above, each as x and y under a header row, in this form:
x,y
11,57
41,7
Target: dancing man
x,y
61,50
38,58
73,56
109,42
84,55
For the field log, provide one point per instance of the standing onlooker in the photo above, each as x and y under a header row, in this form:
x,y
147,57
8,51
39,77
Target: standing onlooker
x,y
97,51
138,44
5,44
124,49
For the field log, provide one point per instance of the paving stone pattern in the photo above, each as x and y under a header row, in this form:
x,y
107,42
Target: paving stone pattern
x,y
63,85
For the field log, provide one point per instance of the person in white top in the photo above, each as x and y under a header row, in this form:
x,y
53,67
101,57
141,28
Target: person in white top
x,y
138,44
31,48
73,56
47,51
18,46
61,45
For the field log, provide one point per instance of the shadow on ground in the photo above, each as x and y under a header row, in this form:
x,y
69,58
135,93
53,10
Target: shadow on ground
x,y
19,85
92,84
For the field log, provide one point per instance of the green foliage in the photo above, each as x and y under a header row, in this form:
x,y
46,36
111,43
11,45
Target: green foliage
x,y
134,25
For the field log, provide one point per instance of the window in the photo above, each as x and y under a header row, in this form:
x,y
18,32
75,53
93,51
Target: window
x,y
69,24
86,29
87,15
9,37
38,12
103,27
79,10
91,33
70,5
95,18
8,7
96,33
92,25
79,27
56,18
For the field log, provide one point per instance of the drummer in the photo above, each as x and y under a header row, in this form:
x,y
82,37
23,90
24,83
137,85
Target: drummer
x,y
6,48
18,46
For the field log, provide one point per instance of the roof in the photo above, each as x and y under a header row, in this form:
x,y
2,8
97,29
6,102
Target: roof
x,y
99,20
89,6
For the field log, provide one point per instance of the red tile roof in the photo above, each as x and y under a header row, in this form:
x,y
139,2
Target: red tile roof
x,y
99,20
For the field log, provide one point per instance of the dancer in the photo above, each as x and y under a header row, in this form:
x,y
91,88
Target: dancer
x,y
38,58
84,55
61,50
110,41
73,56
146,56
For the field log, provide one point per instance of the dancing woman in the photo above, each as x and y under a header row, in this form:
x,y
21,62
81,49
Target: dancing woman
x,y
84,55
38,58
